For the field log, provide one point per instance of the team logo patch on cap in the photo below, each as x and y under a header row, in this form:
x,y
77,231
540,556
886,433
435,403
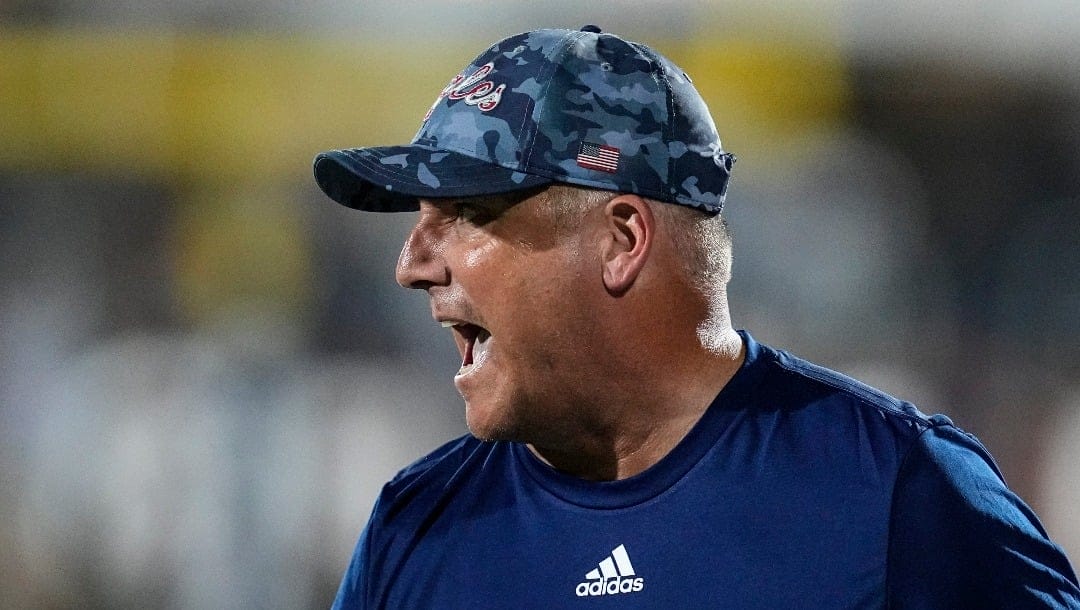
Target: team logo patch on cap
x,y
472,89
599,157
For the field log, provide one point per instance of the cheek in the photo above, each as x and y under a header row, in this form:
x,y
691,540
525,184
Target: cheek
x,y
479,255
552,320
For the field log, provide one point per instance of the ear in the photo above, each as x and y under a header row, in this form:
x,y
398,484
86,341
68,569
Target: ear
x,y
629,229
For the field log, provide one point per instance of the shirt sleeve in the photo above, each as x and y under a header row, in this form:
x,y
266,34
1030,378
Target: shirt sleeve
x,y
960,538
352,593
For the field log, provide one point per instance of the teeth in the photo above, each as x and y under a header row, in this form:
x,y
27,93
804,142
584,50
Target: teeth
x,y
480,346
476,351
447,324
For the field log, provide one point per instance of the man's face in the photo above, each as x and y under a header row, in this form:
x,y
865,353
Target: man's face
x,y
513,291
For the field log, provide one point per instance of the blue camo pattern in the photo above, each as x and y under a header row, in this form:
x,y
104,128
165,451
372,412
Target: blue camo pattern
x,y
597,95
544,94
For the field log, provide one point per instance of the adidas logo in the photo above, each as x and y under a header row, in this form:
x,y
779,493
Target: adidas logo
x,y
614,575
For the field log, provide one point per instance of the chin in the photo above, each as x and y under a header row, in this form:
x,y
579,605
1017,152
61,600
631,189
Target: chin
x,y
488,423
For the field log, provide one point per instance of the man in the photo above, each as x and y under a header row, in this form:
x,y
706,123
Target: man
x,y
628,447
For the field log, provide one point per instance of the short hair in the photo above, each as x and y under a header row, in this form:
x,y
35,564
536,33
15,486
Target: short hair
x,y
704,239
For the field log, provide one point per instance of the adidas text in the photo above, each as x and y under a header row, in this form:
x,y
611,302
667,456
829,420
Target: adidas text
x,y
610,586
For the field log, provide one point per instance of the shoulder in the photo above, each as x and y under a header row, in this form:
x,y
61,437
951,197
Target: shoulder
x,y
821,431
814,382
960,537
450,455
957,535
433,471
829,404
443,484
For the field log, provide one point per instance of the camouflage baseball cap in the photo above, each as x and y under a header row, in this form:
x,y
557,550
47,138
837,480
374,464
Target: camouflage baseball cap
x,y
578,107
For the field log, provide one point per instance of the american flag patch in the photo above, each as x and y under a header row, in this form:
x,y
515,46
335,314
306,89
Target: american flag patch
x,y
599,157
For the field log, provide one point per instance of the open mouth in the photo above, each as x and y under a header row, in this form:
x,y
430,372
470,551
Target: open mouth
x,y
473,342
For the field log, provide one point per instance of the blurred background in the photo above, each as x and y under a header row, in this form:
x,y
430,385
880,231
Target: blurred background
x,y
207,370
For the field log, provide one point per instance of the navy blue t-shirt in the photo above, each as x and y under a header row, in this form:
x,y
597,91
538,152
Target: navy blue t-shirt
x,y
798,488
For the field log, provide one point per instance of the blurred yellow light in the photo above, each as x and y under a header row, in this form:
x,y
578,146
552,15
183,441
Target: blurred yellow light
x,y
202,107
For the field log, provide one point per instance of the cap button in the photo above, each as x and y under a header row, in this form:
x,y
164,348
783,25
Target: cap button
x,y
590,28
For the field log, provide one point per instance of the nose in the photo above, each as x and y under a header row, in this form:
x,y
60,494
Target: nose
x,y
422,263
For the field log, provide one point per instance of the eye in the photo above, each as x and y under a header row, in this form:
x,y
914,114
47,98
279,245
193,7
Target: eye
x,y
473,213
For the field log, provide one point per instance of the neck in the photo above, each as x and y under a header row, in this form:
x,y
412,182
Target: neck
x,y
647,417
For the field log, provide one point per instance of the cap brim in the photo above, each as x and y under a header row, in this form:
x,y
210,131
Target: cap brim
x,y
393,178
